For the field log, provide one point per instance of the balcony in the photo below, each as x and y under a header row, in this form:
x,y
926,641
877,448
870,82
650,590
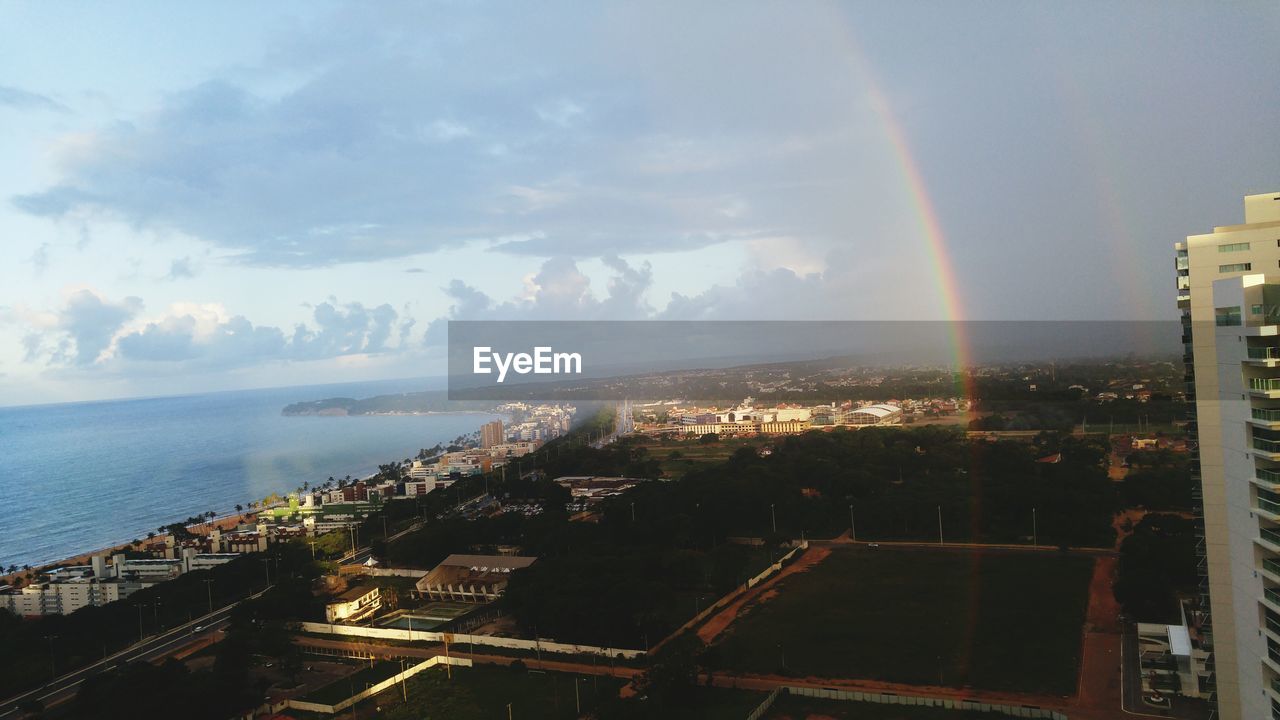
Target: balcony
x,y
1264,353
1269,536
1269,507
1269,415
1268,476
1273,567
1265,386
1270,447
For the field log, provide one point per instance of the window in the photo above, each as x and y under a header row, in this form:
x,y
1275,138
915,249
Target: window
x,y
1233,247
1227,316
1255,309
1235,267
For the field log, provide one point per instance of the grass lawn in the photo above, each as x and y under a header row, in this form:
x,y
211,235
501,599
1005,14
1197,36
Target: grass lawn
x,y
997,621
340,690
693,454
705,703
485,691
797,708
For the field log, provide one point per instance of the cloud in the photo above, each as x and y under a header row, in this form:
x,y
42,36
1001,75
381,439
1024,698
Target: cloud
x,y
343,330
389,147
559,290
92,334
40,258
23,100
86,324
180,268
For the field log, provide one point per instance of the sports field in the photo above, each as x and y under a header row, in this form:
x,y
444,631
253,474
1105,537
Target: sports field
x,y
990,620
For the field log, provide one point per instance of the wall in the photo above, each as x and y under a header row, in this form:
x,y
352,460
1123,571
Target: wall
x,y
375,689
454,638
731,597
1018,711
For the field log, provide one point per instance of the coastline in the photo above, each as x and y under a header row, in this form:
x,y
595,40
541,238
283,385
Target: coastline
x,y
229,518
222,522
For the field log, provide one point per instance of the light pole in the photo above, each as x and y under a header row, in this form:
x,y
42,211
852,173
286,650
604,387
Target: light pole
x,y
403,688
53,671
940,525
1035,539
208,588
773,518
141,635
853,529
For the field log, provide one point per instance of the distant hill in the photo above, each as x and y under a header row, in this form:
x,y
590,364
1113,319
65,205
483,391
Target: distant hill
x,y
400,404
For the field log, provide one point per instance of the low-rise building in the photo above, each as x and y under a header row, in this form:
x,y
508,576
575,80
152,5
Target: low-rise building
x,y
354,604
471,578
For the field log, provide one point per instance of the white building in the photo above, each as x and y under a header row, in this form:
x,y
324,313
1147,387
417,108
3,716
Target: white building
x,y
1231,347
881,414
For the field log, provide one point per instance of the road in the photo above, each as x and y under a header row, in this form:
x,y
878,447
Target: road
x,y
154,647
157,646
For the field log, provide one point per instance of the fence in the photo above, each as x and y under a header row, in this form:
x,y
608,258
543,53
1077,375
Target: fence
x,y
454,638
1017,711
732,596
763,707
544,646
377,688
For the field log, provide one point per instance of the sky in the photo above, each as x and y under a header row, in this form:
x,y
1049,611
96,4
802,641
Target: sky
x,y
201,197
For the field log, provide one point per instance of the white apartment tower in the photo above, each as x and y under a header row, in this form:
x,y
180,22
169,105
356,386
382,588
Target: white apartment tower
x,y
1229,292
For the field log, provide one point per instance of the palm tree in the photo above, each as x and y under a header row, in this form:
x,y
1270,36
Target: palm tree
x,y
151,535
239,508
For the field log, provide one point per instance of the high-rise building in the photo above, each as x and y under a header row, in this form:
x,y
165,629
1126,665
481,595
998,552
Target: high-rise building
x,y
1229,293
491,434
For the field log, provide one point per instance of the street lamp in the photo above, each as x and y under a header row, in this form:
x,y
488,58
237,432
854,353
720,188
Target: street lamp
x,y
208,588
773,518
53,671
853,529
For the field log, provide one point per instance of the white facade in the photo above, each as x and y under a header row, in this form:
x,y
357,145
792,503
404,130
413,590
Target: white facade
x,y
1229,363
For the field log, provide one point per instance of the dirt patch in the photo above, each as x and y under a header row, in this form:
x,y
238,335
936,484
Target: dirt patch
x,y
718,622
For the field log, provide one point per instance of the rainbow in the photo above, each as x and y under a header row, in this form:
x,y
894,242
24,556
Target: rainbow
x,y
947,285
917,192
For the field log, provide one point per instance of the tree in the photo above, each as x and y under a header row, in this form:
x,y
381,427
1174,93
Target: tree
x,y
1157,563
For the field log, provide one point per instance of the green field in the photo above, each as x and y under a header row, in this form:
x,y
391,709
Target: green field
x,y
485,691
336,692
797,708
693,454
701,703
996,621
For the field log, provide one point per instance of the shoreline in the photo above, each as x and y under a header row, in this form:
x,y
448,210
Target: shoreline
x,y
222,521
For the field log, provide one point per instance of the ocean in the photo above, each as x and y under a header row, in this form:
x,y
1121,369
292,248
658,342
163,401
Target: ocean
x,y
82,476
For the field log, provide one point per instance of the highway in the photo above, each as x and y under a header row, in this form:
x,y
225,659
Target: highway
x,y
157,646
